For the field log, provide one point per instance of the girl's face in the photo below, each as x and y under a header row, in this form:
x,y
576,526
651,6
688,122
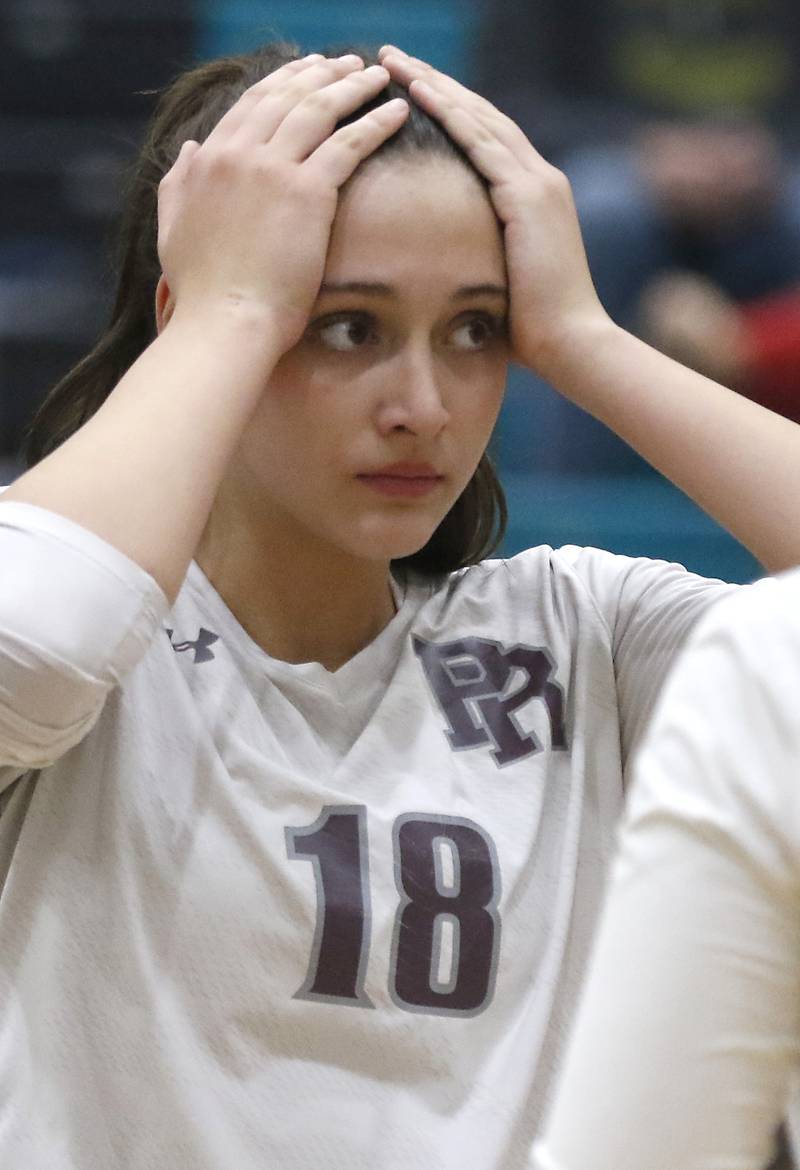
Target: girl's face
x,y
372,425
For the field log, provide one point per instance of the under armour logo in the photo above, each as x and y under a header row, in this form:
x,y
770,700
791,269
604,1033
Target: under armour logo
x,y
201,647
470,678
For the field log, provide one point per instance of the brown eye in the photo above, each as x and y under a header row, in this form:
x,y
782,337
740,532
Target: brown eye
x,y
476,333
346,332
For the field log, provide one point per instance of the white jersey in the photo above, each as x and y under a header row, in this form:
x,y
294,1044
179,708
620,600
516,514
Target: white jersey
x,y
693,995
258,915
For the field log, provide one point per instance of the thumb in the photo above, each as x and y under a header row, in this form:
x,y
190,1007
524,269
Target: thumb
x,y
170,187
182,163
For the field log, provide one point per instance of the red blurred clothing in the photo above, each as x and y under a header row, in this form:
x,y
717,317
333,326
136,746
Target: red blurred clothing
x,y
771,328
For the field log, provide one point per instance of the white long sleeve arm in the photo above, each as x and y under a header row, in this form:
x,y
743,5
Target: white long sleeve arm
x,y
688,1036
75,616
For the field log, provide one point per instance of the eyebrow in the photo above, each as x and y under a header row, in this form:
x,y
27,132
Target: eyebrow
x,y
379,289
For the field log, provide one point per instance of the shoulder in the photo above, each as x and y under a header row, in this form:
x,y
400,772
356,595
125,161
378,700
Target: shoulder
x,y
759,625
724,744
730,702
560,567
618,588
542,578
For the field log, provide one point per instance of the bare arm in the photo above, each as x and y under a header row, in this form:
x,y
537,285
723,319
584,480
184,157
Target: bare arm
x,y
739,461
143,472
244,224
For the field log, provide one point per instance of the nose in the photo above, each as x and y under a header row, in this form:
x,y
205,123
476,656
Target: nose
x,y
412,395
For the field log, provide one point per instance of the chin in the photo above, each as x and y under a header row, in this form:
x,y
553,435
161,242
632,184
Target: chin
x,y
391,541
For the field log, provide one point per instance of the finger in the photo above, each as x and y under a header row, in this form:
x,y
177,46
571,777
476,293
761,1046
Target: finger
x,y
177,173
338,156
170,185
253,94
179,168
314,119
443,106
264,118
405,68
308,73
485,150
385,50
411,70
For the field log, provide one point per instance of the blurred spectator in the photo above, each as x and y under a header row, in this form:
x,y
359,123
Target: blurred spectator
x,y
752,346
678,123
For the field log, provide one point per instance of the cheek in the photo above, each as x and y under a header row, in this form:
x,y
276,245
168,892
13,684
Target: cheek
x,y
481,396
296,427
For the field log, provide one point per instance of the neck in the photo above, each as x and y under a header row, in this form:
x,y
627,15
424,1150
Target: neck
x,y
299,599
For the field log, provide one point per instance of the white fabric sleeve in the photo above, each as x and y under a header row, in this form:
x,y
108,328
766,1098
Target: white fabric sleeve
x,y
650,607
687,1039
75,616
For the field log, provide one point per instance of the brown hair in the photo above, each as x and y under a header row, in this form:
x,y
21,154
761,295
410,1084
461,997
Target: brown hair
x,y
189,109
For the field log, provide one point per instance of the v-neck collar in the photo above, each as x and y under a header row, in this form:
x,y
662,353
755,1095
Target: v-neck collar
x,y
312,673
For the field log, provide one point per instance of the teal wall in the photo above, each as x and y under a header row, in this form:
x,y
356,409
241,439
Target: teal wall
x,y
439,30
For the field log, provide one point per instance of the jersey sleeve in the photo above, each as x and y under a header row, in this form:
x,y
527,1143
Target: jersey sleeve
x,y
75,616
650,607
687,1040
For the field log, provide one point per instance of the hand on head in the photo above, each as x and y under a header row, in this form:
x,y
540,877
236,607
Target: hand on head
x,y
552,296
245,218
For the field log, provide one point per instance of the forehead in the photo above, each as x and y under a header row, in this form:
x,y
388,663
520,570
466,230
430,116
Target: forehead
x,y
405,219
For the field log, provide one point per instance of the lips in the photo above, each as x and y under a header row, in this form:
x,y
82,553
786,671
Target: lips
x,y
405,471
402,479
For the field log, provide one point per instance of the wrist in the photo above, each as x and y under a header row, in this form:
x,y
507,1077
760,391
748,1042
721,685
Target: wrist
x,y
229,316
567,358
247,332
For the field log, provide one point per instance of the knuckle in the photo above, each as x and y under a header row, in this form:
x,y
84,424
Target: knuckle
x,y
353,138
221,163
556,180
222,158
552,186
255,92
484,135
317,102
332,69
269,169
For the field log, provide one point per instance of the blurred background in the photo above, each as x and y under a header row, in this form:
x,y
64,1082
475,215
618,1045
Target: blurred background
x,y
678,122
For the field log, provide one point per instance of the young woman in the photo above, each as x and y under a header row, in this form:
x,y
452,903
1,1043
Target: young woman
x,y
306,804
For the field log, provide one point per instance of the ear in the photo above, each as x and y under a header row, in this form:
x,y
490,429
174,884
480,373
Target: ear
x,y
165,305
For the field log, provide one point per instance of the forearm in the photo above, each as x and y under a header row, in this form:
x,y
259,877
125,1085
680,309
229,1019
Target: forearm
x,y
737,460
142,474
